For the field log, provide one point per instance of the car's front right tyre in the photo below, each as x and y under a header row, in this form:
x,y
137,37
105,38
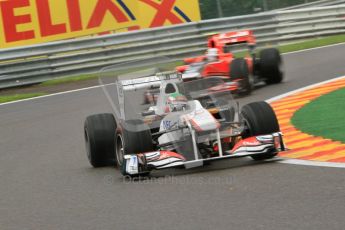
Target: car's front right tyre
x,y
259,119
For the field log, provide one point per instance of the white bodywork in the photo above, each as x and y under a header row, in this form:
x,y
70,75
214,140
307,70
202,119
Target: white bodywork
x,y
195,117
199,118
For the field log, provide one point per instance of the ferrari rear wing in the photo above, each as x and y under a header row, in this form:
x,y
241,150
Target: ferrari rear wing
x,y
236,37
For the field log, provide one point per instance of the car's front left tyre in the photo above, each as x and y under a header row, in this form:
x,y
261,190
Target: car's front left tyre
x,y
260,119
99,134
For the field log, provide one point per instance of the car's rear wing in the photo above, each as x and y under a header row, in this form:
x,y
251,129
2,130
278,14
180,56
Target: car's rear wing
x,y
150,81
231,38
146,82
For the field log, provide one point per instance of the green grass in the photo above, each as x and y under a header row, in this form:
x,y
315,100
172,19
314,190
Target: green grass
x,y
324,116
312,43
69,79
308,44
16,97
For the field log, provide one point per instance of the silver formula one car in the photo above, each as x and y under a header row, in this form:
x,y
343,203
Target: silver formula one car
x,y
189,124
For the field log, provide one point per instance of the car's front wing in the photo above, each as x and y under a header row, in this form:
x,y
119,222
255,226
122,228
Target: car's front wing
x,y
137,164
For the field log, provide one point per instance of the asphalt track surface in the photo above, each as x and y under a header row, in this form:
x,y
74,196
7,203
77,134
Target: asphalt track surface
x,y
46,181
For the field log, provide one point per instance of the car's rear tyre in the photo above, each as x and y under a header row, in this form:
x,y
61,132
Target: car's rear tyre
x,y
271,66
259,119
99,134
239,71
135,137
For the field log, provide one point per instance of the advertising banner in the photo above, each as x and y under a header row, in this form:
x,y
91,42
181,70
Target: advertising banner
x,y
26,22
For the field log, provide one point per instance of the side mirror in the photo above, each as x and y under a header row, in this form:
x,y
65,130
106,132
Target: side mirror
x,y
210,104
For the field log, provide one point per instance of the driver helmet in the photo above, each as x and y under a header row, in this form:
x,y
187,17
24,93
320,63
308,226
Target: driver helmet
x,y
177,102
212,54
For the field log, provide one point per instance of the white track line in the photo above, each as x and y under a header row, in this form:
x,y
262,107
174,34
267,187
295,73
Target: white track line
x,y
315,48
312,163
302,89
50,95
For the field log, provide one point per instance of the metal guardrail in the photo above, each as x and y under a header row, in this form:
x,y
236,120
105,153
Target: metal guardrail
x,y
319,3
34,64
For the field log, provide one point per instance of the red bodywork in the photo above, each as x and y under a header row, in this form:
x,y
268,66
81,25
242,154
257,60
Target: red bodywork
x,y
220,67
221,42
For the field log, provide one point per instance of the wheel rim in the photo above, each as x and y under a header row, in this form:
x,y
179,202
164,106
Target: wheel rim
x,y
251,81
247,85
87,144
120,151
248,129
281,67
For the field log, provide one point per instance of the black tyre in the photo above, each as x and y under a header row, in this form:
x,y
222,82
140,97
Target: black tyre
x,y
99,133
271,65
239,70
260,119
134,137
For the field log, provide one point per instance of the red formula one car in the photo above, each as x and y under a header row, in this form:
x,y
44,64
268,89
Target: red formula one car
x,y
240,73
